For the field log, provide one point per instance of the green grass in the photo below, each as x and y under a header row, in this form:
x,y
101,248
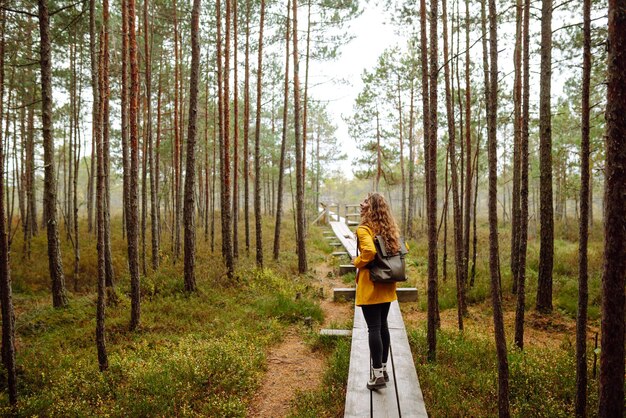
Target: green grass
x,y
463,380
194,355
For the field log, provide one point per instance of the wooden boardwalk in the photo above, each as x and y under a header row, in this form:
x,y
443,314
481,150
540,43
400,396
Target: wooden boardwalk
x,y
403,396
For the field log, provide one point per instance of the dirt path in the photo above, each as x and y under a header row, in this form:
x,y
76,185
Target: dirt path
x,y
292,365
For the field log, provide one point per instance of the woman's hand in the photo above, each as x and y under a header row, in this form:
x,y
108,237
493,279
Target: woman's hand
x,y
352,260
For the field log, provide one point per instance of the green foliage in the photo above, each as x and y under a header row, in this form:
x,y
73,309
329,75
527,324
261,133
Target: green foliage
x,y
463,380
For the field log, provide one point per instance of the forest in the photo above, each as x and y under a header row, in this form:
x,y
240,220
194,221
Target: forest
x,y
165,164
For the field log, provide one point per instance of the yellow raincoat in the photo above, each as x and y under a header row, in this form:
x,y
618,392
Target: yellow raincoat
x,y
368,292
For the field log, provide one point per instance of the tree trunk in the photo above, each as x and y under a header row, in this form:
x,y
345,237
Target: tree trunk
x,y
517,114
227,251
300,236
124,114
468,154
103,361
432,255
611,402
494,265
402,173
190,175
583,289
59,296
246,132
257,147
411,208
6,291
546,250
458,240
235,138
177,140
523,221
132,208
283,144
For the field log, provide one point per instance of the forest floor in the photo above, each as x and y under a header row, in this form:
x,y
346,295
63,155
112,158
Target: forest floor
x,y
292,365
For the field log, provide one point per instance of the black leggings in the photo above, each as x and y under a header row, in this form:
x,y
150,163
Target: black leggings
x,y
376,318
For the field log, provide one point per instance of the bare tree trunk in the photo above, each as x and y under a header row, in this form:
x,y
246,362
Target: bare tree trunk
x,y
132,208
517,114
283,144
103,361
583,290
6,292
300,237
523,222
147,135
468,153
190,175
411,208
235,138
458,231
402,173
432,255
227,250
246,132
124,115
546,250
611,402
59,296
494,265
257,147
177,140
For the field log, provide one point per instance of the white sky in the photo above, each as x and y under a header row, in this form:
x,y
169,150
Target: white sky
x,y
372,37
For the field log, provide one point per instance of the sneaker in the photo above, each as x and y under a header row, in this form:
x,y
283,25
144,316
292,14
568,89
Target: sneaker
x,y
377,380
385,374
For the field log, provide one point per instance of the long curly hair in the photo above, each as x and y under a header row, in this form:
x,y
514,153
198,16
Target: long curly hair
x,y
379,219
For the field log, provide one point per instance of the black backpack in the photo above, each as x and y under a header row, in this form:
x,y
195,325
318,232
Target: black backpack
x,y
387,268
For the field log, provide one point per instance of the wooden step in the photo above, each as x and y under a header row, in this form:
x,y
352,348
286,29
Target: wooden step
x,y
339,254
346,268
336,332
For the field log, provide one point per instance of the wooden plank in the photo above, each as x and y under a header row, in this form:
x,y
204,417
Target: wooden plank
x,y
336,332
346,268
409,390
383,401
344,293
339,254
406,294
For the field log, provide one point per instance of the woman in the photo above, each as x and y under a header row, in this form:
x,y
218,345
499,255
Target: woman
x,y
375,298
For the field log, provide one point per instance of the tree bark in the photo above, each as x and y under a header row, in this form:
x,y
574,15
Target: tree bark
x,y
494,265
523,221
246,132
283,144
611,402
235,137
227,250
546,250
517,114
132,211
300,236
458,231
6,291
257,147
432,282
59,295
468,154
103,361
190,175
583,277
